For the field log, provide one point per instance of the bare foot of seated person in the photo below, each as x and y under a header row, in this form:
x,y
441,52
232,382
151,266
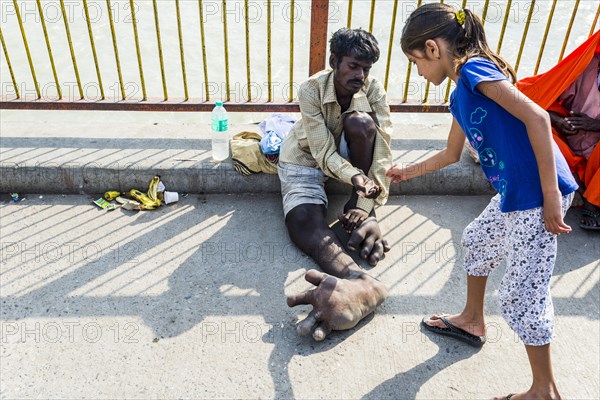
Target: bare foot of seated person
x,y
344,294
368,241
338,304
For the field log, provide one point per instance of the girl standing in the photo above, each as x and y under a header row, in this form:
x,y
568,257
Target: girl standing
x,y
535,188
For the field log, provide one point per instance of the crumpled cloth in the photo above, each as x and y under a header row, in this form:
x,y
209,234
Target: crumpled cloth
x,y
247,156
275,129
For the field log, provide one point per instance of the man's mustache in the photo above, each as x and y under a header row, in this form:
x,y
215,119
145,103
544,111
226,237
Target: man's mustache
x,y
357,81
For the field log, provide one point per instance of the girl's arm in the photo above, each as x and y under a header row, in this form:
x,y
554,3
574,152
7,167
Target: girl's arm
x,y
537,122
450,155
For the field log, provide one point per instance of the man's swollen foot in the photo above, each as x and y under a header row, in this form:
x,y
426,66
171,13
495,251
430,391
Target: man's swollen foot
x,y
368,241
338,304
473,324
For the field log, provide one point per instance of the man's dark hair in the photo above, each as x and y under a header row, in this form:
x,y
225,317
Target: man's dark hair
x,y
354,42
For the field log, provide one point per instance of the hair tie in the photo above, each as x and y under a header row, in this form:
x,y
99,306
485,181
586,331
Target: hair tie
x,y
460,16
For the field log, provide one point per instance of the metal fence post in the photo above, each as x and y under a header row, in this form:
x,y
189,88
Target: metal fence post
x,y
319,17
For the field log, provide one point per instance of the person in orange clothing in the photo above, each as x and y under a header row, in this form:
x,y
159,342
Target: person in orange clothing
x,y
580,128
570,92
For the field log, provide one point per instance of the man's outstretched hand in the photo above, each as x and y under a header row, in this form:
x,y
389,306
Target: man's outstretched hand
x,y
365,187
368,241
338,304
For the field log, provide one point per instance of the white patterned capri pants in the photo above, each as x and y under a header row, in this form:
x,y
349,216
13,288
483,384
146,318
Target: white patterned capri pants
x,y
520,238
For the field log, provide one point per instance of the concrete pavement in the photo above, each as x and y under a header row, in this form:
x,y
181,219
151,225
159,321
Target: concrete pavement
x,y
188,301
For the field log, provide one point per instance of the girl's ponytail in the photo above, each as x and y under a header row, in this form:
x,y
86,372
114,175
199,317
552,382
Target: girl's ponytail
x,y
461,29
475,44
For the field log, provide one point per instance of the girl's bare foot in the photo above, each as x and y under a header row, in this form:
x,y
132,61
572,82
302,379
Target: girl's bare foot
x,y
550,393
475,325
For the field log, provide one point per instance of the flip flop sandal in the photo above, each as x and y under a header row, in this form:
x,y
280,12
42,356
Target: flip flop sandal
x,y
594,216
509,396
455,332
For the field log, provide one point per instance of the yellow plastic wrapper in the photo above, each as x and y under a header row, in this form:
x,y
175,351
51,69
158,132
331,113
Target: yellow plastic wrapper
x,y
111,195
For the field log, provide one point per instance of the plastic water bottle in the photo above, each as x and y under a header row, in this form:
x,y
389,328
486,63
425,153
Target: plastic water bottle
x,y
220,136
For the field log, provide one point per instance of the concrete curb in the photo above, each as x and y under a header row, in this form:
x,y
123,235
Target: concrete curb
x,y
94,162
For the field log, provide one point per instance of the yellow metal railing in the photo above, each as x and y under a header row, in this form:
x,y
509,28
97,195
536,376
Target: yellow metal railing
x,y
71,50
12,73
26,44
160,50
291,50
196,49
203,39
390,45
115,48
47,40
543,44
93,47
562,51
408,72
182,54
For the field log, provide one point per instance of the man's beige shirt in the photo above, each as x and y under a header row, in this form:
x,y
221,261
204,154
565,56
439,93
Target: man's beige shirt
x,y
314,140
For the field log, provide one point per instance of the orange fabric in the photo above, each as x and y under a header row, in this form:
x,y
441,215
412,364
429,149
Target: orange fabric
x,y
592,178
576,163
559,109
544,89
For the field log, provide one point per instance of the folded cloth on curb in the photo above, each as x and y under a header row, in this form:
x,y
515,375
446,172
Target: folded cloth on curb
x,y
247,156
275,129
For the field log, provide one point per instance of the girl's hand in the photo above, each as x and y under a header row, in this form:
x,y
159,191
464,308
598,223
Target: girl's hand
x,y
397,174
553,218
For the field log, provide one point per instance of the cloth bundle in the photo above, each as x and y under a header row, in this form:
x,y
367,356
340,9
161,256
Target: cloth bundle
x,y
275,129
247,156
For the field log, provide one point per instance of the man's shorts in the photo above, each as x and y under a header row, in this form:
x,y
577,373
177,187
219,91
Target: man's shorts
x,y
301,185
305,185
344,149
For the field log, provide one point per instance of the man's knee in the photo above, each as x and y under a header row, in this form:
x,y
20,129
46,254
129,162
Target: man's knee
x,y
304,216
359,126
306,226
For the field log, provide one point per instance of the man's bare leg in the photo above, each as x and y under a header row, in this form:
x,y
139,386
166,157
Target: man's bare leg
x,y
360,131
344,294
308,229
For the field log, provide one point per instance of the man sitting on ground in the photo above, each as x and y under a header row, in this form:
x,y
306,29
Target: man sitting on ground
x,y
344,133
